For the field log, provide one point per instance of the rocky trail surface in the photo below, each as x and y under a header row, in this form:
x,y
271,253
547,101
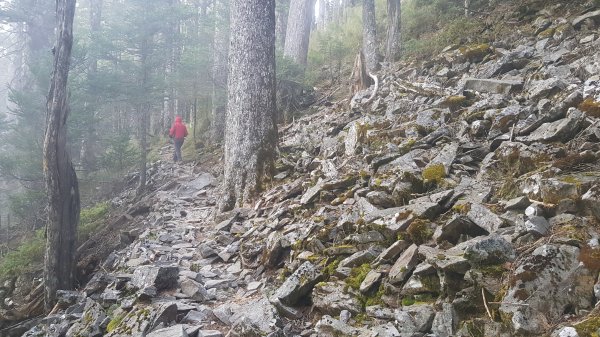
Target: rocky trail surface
x,y
462,200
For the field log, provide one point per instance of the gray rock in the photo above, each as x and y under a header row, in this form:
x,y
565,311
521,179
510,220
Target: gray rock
x,y
415,318
493,86
384,330
312,193
356,136
370,281
328,326
277,246
195,317
256,318
194,290
391,253
172,331
492,249
330,298
381,199
517,203
405,264
560,130
160,277
566,331
456,228
445,321
358,258
537,225
90,324
299,284
541,281
484,218
591,199
545,88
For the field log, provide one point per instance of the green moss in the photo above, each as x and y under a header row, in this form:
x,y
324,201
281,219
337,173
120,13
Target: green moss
x,y
434,173
463,208
408,301
375,298
589,327
496,270
331,267
547,33
357,276
114,322
591,107
477,52
419,231
455,101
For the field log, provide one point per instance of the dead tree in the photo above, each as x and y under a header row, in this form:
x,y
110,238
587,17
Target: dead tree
x,y
61,181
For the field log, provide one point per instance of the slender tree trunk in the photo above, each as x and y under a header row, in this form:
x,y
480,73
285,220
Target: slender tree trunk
x,y
143,115
251,110
297,36
467,8
370,47
220,52
88,154
394,11
61,181
281,18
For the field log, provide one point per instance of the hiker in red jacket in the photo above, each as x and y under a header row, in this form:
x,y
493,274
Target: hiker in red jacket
x,y
178,133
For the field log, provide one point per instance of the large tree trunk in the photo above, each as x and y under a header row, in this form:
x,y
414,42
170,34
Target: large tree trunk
x,y
61,181
144,119
220,52
393,44
281,18
370,36
297,36
251,129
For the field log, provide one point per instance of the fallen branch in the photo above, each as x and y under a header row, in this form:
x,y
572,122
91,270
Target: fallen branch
x,y
374,77
510,303
485,304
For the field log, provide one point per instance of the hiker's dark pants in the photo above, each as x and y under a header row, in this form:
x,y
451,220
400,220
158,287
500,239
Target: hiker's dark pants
x,y
178,145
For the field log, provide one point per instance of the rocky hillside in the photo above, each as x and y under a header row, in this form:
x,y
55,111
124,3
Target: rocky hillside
x,y
462,200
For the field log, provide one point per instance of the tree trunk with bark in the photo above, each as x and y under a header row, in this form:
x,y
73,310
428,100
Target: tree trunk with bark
x,y
251,110
393,43
220,52
370,47
87,155
297,36
281,18
61,181
467,8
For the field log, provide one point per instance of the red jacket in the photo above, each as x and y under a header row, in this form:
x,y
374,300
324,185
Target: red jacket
x,y
178,130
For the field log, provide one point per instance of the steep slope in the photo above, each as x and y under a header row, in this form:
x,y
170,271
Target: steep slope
x,y
461,201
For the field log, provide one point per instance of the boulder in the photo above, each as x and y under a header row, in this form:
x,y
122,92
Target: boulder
x,y
329,298
493,249
492,86
405,264
484,218
90,324
160,277
194,290
415,318
299,284
540,281
256,318
172,331
560,130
